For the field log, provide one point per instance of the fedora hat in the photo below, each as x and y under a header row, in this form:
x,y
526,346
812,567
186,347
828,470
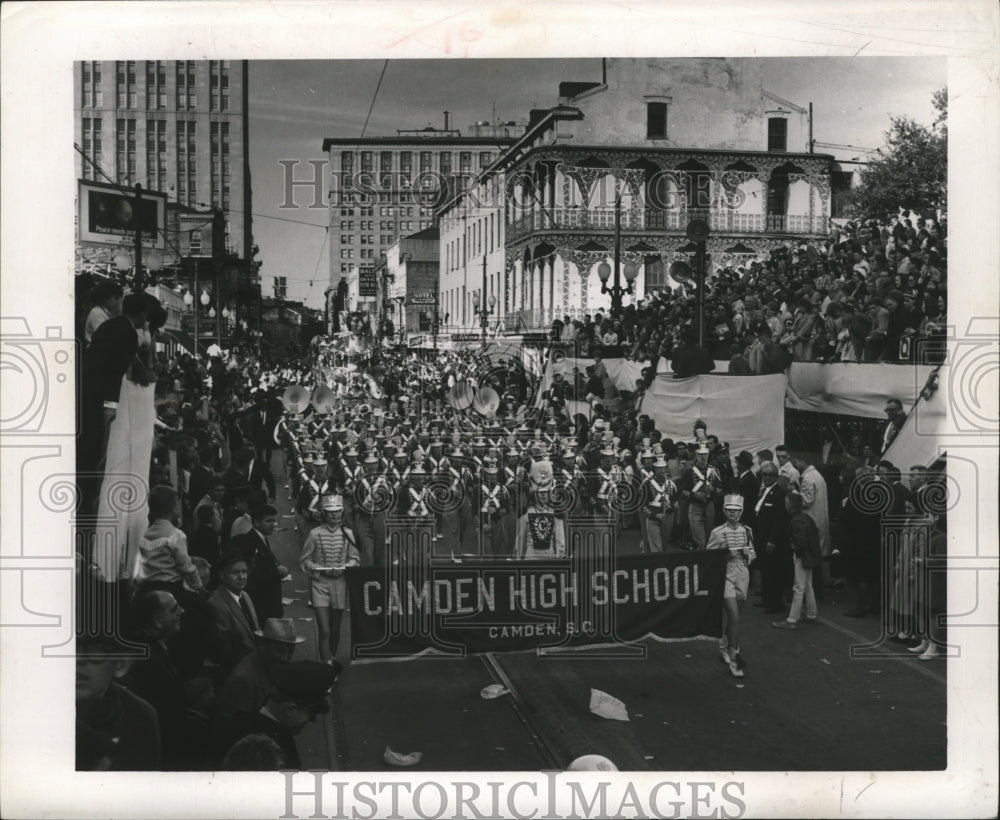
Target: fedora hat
x,y
279,630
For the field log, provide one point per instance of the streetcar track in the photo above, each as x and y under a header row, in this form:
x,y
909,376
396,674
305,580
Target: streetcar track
x,y
553,756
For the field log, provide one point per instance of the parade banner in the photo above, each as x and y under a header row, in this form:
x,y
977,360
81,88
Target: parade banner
x,y
748,412
478,606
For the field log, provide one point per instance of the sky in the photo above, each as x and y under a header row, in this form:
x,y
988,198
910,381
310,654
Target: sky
x,y
296,104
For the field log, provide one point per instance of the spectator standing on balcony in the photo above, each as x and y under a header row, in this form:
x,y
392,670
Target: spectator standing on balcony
x,y
738,363
568,331
691,359
804,331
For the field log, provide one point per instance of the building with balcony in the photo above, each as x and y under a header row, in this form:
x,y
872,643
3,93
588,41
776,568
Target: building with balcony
x,y
660,142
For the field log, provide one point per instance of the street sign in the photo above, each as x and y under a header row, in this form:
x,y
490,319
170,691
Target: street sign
x,y
367,281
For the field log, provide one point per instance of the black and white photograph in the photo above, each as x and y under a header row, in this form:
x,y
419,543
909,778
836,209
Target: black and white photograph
x,y
433,411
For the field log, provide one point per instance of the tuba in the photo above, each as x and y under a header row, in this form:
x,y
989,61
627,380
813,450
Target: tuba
x,y
324,400
295,399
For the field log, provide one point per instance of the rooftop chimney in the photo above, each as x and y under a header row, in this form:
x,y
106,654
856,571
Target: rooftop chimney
x,y
446,113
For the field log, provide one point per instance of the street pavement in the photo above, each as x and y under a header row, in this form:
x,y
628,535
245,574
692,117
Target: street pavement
x,y
805,703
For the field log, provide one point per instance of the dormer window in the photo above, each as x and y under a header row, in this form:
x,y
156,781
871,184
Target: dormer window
x,y
777,134
656,120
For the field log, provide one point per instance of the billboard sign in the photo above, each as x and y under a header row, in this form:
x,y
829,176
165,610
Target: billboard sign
x,y
422,297
367,281
109,214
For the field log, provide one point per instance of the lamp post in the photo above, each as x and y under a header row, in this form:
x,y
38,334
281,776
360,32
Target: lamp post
x,y
697,232
488,305
190,302
604,269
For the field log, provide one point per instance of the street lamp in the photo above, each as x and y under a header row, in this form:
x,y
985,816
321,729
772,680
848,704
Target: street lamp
x,y
484,312
604,269
189,301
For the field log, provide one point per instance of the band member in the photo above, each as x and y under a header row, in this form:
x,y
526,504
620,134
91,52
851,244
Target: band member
x,y
493,508
540,532
699,485
371,495
738,539
659,505
327,552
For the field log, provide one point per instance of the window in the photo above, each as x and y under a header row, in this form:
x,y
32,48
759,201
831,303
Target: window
x,y
156,86
656,120
186,164
465,161
366,161
425,162
485,158
195,241
777,134
125,149
156,153
446,163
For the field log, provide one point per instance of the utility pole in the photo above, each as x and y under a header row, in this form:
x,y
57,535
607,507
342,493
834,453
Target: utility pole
x,y
138,282
811,142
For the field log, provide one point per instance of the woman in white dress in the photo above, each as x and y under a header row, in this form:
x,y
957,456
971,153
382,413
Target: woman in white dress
x,y
123,511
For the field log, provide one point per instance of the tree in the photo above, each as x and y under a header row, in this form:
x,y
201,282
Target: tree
x,y
911,171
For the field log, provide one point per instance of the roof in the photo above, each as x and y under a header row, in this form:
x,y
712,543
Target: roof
x,y
486,142
783,101
573,89
427,233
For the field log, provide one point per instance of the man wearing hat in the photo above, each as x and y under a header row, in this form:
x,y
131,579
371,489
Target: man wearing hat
x,y
246,689
327,552
235,616
372,496
607,481
699,484
737,538
298,695
492,504
659,495
540,532
570,481
457,521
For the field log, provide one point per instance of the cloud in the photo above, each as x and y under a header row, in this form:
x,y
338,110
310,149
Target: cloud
x,y
261,109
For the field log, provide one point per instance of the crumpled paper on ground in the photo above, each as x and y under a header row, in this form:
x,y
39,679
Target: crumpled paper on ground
x,y
605,706
494,690
397,759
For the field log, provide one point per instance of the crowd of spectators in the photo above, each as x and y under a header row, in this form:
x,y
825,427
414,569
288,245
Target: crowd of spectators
x,y
871,292
198,589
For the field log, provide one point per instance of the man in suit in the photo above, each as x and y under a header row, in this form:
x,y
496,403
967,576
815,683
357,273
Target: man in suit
x,y
235,616
298,695
264,581
769,525
259,423
747,485
250,471
107,359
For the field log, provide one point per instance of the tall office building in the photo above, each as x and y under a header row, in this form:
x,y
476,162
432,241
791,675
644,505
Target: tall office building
x,y
384,188
175,126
